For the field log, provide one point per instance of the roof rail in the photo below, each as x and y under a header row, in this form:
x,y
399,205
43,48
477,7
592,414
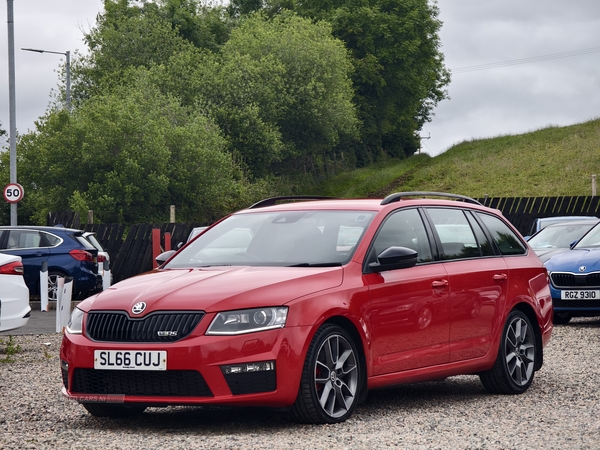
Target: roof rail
x,y
272,201
400,195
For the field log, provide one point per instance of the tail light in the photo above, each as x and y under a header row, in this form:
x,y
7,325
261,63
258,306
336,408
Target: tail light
x,y
101,258
81,255
13,268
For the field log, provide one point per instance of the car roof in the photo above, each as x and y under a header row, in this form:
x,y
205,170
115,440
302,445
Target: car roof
x,y
404,198
568,223
40,228
566,218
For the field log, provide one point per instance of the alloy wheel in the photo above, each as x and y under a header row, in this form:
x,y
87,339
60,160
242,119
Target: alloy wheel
x,y
336,376
519,351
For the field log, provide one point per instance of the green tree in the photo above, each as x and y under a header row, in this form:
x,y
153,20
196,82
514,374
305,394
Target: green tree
x,y
399,74
310,100
204,25
128,155
133,34
279,89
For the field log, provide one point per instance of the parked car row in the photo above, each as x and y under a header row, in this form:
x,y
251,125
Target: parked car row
x,y
67,252
307,305
570,250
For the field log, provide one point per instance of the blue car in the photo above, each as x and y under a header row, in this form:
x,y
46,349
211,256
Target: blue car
x,y
66,251
575,279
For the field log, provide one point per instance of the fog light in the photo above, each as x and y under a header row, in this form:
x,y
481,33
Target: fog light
x,y
64,365
261,366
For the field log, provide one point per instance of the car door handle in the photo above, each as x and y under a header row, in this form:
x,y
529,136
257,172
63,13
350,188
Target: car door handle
x,y
439,284
500,277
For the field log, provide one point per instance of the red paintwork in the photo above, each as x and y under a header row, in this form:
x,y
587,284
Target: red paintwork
x,y
469,301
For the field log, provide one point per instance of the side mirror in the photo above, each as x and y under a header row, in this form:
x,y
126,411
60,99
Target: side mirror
x,y
393,258
164,256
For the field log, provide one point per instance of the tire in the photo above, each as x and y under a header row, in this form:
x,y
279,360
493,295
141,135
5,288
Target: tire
x,y
112,410
331,378
515,364
561,318
52,285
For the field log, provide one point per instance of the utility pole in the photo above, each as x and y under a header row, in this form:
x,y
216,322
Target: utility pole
x,y
12,105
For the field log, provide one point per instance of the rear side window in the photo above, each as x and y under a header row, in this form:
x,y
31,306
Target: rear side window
x,y
53,240
506,240
456,235
24,239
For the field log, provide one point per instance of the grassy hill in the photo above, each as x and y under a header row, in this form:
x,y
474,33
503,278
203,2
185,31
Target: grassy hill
x,y
554,161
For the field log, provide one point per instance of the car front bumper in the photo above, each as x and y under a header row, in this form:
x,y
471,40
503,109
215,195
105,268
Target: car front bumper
x,y
583,307
195,372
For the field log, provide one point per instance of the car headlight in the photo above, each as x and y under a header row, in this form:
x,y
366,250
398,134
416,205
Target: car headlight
x,y
248,321
75,325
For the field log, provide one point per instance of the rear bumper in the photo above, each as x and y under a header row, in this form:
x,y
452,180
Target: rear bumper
x,y
14,307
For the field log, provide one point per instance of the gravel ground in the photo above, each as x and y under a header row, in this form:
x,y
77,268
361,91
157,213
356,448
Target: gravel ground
x,y
561,410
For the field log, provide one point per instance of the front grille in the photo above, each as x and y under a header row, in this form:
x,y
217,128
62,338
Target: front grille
x,y
251,382
565,280
117,326
174,383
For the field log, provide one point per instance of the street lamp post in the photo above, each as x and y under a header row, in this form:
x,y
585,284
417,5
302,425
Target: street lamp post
x,y
68,70
12,104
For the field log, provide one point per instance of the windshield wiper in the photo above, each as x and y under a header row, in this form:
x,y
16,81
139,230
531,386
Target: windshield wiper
x,y
329,264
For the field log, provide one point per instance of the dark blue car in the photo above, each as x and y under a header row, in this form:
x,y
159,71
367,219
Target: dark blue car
x,y
66,251
575,279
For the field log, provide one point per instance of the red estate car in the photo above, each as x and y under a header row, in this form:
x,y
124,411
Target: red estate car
x,y
310,304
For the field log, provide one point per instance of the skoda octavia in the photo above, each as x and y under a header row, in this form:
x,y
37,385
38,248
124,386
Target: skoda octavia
x,y
307,305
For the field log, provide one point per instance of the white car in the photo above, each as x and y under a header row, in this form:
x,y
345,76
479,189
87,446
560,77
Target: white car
x,y
102,253
14,294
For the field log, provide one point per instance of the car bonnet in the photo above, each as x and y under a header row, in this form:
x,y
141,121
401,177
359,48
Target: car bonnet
x,y
216,289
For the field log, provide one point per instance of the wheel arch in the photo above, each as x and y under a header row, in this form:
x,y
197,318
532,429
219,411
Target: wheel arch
x,y
350,327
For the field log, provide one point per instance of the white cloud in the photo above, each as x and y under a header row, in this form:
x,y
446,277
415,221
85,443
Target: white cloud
x,y
484,103
521,97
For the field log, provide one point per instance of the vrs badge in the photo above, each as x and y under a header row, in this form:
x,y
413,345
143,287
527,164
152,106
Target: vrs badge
x,y
167,333
138,308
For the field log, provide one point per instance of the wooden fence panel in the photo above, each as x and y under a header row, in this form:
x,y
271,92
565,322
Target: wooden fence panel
x,y
521,212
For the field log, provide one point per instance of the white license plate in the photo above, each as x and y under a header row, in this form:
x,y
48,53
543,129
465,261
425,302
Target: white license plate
x,y
580,295
130,359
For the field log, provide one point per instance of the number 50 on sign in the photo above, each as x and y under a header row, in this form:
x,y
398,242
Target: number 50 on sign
x,y
13,193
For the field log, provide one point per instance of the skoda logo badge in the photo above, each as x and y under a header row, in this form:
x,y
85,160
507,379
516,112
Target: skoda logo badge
x,y
138,308
582,269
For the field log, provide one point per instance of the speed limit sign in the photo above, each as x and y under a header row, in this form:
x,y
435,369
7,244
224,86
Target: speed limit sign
x,y
13,193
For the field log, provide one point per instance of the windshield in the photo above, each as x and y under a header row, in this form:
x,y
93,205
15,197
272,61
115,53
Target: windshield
x,y
559,236
290,238
94,241
591,239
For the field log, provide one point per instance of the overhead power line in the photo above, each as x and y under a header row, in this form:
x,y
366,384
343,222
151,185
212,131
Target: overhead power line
x,y
529,60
